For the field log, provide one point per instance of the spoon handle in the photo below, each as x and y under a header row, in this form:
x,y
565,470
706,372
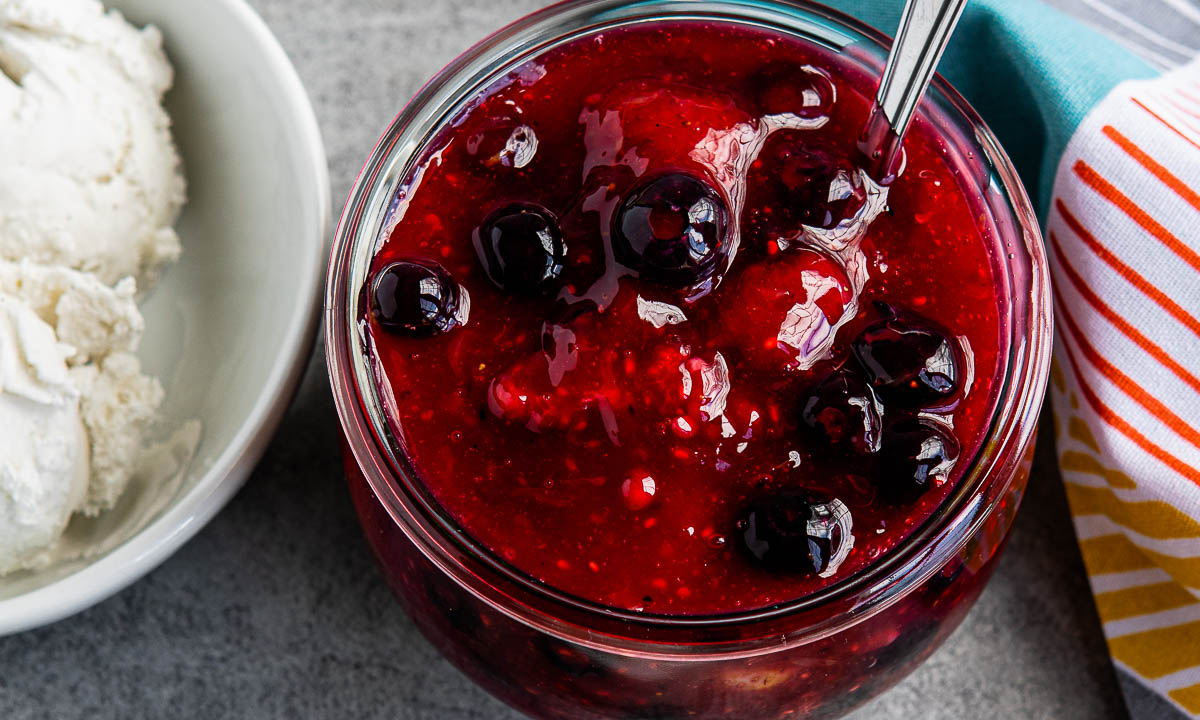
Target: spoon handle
x,y
921,38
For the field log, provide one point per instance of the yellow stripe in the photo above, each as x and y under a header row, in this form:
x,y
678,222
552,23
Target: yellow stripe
x,y
1116,554
1112,554
1161,651
1152,518
1079,430
1057,376
1188,697
1130,602
1084,463
1186,571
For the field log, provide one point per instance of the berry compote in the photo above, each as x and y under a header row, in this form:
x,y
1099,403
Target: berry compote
x,y
653,336
655,404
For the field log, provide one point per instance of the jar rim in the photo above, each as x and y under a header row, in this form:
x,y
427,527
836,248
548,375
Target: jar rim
x,y
508,590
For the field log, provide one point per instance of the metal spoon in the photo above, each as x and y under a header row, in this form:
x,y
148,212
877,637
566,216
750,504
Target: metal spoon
x,y
921,38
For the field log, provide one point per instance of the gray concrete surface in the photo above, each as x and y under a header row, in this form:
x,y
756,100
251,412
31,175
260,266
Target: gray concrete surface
x,y
276,610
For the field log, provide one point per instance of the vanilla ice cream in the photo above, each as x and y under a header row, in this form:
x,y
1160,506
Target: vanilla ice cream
x,y
94,318
90,178
44,447
103,327
90,185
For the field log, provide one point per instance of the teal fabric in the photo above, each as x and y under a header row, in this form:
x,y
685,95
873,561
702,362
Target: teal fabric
x,y
1030,71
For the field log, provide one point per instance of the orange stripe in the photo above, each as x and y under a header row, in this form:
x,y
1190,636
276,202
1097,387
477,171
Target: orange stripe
x,y
1180,108
1125,204
1159,118
1187,95
1119,322
1123,381
1191,197
1131,275
1106,413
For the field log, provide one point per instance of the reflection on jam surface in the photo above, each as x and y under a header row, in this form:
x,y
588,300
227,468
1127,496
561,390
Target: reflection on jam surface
x,y
698,362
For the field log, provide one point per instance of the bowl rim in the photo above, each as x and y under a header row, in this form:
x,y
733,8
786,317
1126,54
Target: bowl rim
x,y
115,570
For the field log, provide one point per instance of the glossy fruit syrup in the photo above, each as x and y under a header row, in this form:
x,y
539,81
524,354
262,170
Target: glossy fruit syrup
x,y
649,333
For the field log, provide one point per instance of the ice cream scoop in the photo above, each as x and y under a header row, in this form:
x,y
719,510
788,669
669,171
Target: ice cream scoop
x,y
91,179
43,446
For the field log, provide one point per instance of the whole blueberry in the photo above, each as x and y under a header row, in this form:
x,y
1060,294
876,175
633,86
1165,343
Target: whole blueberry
x,y
796,532
672,230
521,249
917,454
800,90
843,412
811,185
417,297
909,360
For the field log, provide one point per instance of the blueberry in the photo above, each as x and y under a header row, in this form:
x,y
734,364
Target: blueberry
x,y
796,532
917,454
672,230
521,248
843,412
801,90
816,187
908,360
418,297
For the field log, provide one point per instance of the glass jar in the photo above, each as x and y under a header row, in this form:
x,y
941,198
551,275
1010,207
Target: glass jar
x,y
555,656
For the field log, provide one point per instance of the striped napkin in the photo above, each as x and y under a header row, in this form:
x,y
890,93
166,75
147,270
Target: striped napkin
x,y
1099,106
1124,241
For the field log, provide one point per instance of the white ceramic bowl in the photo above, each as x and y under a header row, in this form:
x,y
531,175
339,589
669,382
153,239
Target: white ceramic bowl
x,y
230,328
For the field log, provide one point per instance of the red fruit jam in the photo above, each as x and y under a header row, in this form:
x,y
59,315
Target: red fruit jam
x,y
650,335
